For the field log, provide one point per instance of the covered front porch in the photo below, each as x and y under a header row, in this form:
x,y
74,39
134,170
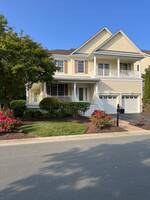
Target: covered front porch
x,y
67,90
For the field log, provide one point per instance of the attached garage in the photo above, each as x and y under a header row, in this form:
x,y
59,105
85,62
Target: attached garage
x,y
130,103
108,103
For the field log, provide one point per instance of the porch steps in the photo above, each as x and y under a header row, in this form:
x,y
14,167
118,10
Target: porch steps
x,y
92,108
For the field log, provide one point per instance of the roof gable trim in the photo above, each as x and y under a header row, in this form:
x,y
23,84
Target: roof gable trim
x,y
113,36
103,29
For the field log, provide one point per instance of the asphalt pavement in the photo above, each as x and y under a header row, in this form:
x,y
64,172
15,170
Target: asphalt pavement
x,y
97,169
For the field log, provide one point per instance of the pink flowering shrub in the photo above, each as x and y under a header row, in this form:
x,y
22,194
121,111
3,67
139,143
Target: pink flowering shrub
x,y
100,119
7,122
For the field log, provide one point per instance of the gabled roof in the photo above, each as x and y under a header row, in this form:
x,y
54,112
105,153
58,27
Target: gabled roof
x,y
98,33
101,45
109,40
146,51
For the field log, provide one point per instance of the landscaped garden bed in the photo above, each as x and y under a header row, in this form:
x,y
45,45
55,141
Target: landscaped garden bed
x,y
81,125
54,118
113,128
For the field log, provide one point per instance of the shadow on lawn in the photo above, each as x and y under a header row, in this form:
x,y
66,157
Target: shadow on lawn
x,y
106,171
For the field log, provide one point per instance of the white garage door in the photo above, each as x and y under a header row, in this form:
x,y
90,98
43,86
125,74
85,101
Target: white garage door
x,y
108,103
130,103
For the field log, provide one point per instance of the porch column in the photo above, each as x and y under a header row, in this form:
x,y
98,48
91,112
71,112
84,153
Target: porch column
x,y
74,91
96,88
27,95
139,69
44,90
118,67
95,70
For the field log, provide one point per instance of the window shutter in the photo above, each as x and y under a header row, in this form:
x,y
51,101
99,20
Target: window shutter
x,y
65,66
86,67
66,89
76,66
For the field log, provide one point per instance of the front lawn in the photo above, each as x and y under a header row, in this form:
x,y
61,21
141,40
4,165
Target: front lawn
x,y
54,128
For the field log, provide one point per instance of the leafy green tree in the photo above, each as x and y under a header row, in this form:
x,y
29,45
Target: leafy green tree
x,y
22,62
146,95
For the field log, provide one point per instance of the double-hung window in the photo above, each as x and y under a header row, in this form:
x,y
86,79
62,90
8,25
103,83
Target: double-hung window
x,y
103,69
80,66
60,65
125,69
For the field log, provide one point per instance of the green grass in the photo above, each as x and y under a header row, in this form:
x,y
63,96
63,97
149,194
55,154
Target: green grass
x,y
44,129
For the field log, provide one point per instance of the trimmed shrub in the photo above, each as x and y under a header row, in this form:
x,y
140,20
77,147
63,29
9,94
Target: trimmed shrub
x,y
50,104
75,108
57,109
31,114
18,107
101,120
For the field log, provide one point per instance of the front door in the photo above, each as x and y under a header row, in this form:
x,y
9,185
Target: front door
x,y
82,93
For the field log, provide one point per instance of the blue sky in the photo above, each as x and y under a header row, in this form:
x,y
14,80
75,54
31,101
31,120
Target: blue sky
x,y
63,24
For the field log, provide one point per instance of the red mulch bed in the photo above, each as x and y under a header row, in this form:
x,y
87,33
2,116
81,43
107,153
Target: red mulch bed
x,y
92,129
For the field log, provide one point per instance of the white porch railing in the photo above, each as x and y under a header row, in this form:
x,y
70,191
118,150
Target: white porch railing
x,y
122,74
129,73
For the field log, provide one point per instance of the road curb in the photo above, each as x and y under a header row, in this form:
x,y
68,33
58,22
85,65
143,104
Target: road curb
x,y
14,142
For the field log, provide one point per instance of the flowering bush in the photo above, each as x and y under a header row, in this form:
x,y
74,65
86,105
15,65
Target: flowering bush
x,y
7,122
100,119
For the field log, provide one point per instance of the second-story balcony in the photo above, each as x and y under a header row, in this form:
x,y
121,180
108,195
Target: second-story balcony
x,y
118,65
118,74
129,73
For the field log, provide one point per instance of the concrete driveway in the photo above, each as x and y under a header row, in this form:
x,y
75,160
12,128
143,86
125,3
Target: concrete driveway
x,y
107,169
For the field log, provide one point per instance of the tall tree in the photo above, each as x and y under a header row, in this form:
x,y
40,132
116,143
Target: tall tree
x,y
22,61
146,95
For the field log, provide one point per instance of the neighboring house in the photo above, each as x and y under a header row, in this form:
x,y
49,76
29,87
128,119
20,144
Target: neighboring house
x,y
105,71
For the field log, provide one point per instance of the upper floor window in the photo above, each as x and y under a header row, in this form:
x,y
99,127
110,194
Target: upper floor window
x,y
125,66
80,66
60,65
103,69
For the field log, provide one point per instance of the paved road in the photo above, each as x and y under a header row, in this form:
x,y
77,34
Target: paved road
x,y
110,169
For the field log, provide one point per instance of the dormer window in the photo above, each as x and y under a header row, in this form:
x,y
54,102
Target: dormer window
x,y
60,65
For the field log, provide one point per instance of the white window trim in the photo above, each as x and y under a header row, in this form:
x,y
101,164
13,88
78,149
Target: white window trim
x,y
105,63
57,71
83,67
57,92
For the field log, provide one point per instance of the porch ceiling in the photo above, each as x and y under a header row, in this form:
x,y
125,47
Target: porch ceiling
x,y
121,54
76,78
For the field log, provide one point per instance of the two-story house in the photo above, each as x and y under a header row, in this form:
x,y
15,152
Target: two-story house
x,y
105,71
